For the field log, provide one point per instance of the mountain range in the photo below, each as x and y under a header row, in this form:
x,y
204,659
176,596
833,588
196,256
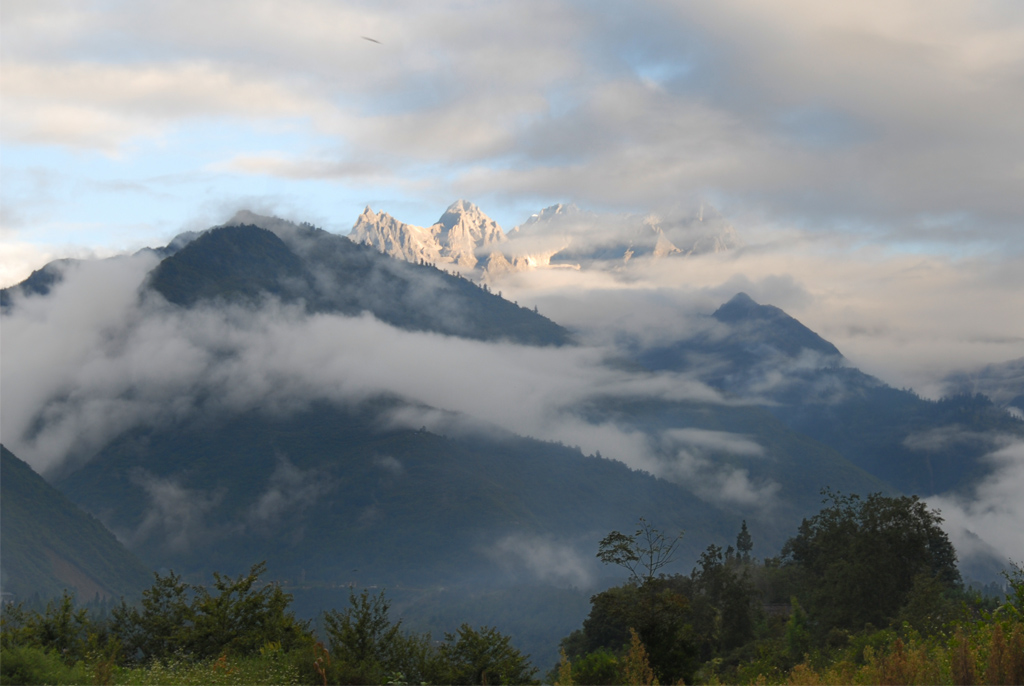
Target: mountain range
x,y
557,236
749,418
456,238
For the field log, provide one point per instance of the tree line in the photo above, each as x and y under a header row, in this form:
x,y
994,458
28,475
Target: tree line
x,y
866,591
241,630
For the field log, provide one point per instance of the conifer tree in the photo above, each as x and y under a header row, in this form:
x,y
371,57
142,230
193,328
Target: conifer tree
x,y
744,542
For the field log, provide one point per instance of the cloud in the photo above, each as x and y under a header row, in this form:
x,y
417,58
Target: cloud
x,y
716,441
1000,382
887,118
692,461
289,489
544,560
389,464
126,358
987,524
946,437
104,106
176,516
18,260
906,317
53,348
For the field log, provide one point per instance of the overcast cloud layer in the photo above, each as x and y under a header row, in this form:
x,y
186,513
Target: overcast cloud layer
x,y
884,135
896,120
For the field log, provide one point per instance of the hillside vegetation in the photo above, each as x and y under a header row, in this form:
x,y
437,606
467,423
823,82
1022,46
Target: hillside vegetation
x,y
866,591
50,544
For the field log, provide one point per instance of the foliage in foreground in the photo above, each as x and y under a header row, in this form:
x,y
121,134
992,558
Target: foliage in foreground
x,y
241,632
866,592
811,616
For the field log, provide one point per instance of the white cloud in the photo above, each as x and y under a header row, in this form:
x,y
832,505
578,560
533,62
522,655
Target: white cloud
x,y
721,441
987,524
289,489
18,260
909,319
544,560
692,462
389,464
176,516
105,106
123,360
891,115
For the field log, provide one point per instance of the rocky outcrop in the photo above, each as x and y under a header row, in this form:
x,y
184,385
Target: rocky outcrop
x,y
458,237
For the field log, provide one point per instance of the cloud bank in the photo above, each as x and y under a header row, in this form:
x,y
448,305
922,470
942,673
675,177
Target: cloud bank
x,y
893,122
988,525
910,319
124,357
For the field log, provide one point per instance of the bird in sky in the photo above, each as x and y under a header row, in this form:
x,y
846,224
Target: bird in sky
x,y
372,40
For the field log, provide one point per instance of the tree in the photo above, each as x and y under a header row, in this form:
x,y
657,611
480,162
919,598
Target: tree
x,y
861,558
636,667
643,553
673,630
60,628
243,615
362,638
484,656
729,591
238,618
1015,595
744,542
798,636
161,627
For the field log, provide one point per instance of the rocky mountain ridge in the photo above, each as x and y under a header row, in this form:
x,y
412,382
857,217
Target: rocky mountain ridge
x,y
456,238
559,236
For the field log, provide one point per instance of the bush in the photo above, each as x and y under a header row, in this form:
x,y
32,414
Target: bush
x,y
36,665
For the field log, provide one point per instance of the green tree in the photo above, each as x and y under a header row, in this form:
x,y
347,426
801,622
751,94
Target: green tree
x,y
744,542
730,594
798,634
600,667
483,656
242,615
643,553
675,630
238,617
1015,596
162,625
60,629
861,558
362,638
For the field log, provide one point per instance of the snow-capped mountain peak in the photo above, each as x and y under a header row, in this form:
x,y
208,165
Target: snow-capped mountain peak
x,y
559,236
463,230
398,239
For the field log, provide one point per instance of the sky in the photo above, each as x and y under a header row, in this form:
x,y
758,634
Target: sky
x,y
891,123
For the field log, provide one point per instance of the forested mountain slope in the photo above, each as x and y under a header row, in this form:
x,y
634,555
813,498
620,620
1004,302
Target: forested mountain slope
x,y
50,544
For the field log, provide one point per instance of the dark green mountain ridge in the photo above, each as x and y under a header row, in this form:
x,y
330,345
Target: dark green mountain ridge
x,y
330,273
917,445
49,544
